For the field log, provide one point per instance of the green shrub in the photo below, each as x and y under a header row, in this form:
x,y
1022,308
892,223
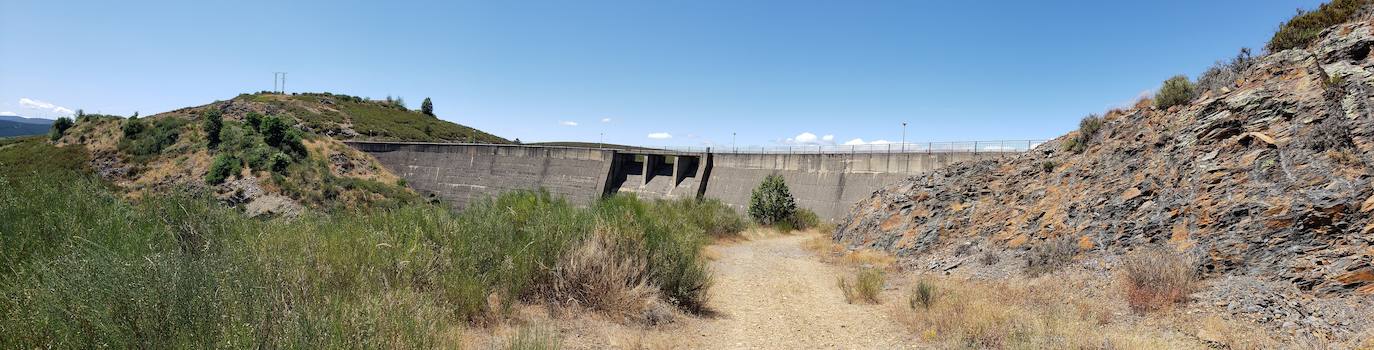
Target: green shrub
x,y
1087,130
1048,166
772,202
224,166
922,296
150,141
132,127
1176,91
427,107
1304,27
254,121
866,287
59,127
273,131
213,123
804,219
279,162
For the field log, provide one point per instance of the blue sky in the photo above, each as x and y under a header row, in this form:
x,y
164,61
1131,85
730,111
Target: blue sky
x,y
693,70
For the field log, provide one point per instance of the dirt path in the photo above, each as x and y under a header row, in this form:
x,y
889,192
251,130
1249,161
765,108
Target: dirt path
x,y
771,293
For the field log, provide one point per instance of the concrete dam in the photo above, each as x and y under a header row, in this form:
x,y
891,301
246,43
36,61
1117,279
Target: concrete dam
x,y
827,183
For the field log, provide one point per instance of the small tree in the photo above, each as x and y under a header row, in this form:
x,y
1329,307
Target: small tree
x,y
60,127
214,122
132,127
273,131
427,107
254,121
1176,91
772,202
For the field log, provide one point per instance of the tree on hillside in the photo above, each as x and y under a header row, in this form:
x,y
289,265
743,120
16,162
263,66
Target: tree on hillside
x,y
213,123
273,131
60,127
427,107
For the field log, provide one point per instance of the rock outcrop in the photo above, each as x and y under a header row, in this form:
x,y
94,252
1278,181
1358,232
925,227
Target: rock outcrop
x,y
1270,179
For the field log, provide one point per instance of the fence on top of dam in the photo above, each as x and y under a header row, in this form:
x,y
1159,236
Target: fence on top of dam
x,y
991,146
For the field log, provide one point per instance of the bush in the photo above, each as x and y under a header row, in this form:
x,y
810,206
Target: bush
x,y
867,285
224,166
1304,27
1157,277
132,127
145,141
1087,130
213,123
273,131
427,107
1176,91
772,202
1050,255
254,121
279,162
1225,74
922,296
59,127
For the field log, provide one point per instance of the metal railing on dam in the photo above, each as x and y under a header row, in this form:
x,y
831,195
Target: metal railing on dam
x,y
991,146
825,179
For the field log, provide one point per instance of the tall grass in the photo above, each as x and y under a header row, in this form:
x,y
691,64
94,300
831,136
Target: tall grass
x,y
85,268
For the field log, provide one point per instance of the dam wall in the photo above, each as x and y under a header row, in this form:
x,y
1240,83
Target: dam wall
x,y
462,173
827,183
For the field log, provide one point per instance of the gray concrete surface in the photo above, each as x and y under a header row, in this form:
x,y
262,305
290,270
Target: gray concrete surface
x,y
825,183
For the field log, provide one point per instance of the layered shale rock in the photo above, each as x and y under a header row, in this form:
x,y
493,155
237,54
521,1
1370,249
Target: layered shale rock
x,y
1269,179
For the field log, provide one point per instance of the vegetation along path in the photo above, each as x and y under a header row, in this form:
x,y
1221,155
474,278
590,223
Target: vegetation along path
x,y
770,293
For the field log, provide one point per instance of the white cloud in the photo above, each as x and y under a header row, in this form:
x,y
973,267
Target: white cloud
x,y
567,123
9,114
43,106
807,138
605,120
860,142
660,136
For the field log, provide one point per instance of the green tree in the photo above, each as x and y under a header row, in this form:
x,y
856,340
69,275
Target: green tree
x,y
60,127
254,121
273,131
772,201
1176,91
214,122
132,127
427,107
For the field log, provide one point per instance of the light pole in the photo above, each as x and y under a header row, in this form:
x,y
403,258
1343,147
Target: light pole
x,y
903,137
733,148
601,142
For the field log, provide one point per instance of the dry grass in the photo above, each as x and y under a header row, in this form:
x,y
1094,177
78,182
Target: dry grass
x,y
596,276
1051,255
866,286
530,338
1157,278
833,252
1027,314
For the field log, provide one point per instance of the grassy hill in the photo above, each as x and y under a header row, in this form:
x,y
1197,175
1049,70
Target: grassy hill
x,y
347,117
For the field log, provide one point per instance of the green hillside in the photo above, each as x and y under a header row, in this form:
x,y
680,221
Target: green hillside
x,y
347,117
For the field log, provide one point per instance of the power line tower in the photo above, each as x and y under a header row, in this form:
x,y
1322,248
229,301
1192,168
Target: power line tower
x,y
279,82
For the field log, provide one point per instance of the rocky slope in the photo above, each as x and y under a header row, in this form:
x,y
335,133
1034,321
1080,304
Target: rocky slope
x,y
1268,181
324,173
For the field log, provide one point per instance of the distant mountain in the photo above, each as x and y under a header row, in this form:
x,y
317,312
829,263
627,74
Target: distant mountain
x,y
18,119
11,128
